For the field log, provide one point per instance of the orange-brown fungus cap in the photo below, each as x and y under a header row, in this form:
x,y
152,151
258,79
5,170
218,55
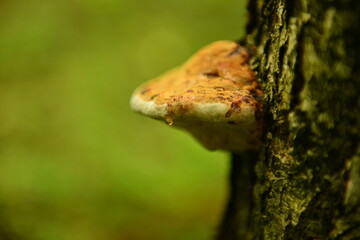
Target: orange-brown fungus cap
x,y
214,95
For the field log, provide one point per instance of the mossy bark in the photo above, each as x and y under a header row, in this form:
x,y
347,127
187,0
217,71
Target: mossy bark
x,y
308,175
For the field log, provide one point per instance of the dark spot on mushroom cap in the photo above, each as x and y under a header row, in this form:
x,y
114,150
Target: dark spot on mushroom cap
x,y
213,73
154,96
228,114
246,99
235,107
219,88
236,50
145,91
189,91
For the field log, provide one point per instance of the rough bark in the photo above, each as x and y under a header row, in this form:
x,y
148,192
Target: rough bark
x,y
308,175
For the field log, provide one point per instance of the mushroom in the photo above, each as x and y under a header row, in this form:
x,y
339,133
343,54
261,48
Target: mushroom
x,y
214,95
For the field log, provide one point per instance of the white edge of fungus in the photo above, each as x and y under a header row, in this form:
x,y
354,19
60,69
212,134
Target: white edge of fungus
x,y
148,108
216,112
209,112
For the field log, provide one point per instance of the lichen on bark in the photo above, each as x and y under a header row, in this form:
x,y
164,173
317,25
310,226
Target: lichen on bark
x,y
308,61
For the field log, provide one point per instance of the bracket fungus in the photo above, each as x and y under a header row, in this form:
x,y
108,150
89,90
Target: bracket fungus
x,y
214,95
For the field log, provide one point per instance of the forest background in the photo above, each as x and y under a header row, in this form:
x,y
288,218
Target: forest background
x,y
75,161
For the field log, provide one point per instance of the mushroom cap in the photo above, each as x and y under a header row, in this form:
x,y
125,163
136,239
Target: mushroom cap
x,y
214,95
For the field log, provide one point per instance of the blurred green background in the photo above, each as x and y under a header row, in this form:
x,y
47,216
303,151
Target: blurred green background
x,y
75,162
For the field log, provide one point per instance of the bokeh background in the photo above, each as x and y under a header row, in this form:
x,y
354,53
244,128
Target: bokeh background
x,y
75,162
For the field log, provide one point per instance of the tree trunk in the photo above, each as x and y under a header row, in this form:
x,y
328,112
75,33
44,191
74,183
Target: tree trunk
x,y
307,181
